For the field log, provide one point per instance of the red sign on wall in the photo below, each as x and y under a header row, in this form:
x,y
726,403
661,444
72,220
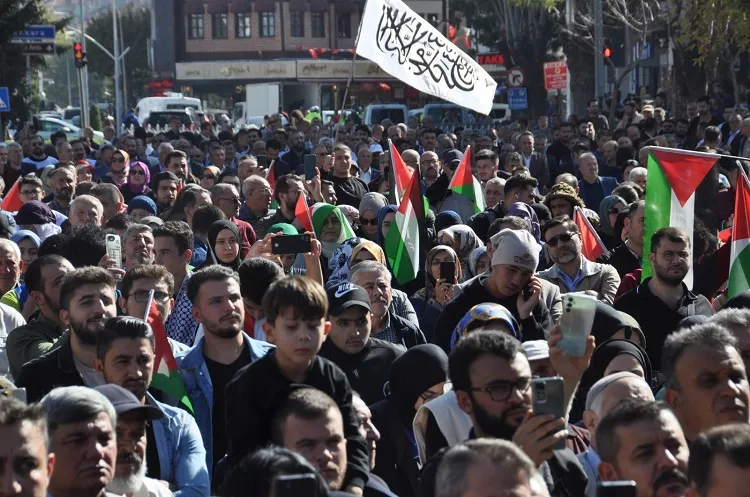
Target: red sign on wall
x,y
556,75
494,59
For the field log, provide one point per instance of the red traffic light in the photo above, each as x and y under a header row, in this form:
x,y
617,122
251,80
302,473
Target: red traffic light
x,y
77,47
607,52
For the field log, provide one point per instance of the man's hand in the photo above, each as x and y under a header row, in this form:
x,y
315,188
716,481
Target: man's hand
x,y
569,367
526,306
443,291
537,436
110,264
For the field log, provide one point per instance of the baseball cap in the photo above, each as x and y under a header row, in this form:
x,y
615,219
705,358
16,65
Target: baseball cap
x,y
124,401
536,350
452,158
346,295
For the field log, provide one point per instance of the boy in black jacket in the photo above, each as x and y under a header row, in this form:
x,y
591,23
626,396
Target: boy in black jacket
x,y
296,323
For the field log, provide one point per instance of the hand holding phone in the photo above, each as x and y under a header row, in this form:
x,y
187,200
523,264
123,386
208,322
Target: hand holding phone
x,y
291,244
114,249
311,171
576,322
548,397
448,271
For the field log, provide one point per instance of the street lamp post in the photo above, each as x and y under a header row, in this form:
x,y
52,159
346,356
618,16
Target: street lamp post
x,y
118,96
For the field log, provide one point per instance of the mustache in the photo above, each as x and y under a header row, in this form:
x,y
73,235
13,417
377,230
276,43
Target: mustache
x,y
129,458
670,476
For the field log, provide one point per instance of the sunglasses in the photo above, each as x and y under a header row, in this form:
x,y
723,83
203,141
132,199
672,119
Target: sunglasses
x,y
208,176
564,238
614,210
137,172
364,221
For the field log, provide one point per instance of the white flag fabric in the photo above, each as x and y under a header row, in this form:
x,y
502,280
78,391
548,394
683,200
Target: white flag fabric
x,y
409,48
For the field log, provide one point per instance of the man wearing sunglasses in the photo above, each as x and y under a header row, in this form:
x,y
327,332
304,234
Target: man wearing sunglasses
x,y
572,272
36,160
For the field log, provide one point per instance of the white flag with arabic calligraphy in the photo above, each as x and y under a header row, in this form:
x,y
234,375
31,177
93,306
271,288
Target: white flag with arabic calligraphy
x,y
409,48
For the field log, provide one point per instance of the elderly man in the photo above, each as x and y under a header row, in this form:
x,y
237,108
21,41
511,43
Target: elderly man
x,y
364,163
11,268
64,151
130,470
81,425
638,175
429,166
64,180
411,159
605,395
386,324
86,209
258,195
110,198
572,272
226,198
593,188
138,246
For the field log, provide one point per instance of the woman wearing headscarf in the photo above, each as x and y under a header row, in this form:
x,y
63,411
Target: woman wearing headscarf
x,y
429,301
479,262
462,240
416,377
367,251
369,208
446,219
524,211
118,171
385,218
139,176
608,211
331,229
209,177
224,244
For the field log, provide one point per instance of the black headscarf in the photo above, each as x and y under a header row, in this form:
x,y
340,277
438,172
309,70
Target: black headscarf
x,y
739,301
213,233
413,373
608,321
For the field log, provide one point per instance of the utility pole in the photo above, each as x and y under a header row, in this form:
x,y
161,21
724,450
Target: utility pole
x,y
599,49
70,90
124,70
84,75
118,96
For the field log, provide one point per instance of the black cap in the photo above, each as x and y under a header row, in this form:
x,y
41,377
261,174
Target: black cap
x,y
124,401
346,295
452,158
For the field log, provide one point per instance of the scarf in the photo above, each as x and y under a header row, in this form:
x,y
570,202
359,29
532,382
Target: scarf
x,y
371,247
524,211
474,257
320,213
138,189
429,279
115,180
381,216
338,263
604,207
213,233
465,241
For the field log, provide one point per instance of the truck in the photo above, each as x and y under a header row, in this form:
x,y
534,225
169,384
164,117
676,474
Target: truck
x,y
260,99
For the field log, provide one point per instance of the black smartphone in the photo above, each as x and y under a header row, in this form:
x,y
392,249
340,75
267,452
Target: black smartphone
x,y
262,161
548,397
527,291
310,171
295,486
291,244
448,271
625,488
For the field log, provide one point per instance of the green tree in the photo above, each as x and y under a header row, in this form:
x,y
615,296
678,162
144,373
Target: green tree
x,y
136,25
96,117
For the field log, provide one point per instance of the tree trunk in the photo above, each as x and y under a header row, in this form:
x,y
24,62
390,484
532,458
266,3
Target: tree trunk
x,y
580,68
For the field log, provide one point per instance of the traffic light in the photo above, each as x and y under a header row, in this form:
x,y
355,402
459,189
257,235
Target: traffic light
x,y
79,54
607,51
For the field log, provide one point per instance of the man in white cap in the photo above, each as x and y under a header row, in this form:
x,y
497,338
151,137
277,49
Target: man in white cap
x,y
510,283
537,352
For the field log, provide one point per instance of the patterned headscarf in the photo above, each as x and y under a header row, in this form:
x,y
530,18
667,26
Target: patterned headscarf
x,y
524,211
338,263
482,314
429,279
465,241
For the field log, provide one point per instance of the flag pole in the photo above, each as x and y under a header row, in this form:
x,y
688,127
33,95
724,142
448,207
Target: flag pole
x,y
698,154
351,71
148,304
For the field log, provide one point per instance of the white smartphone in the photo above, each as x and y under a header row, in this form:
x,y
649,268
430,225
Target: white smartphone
x,y
114,249
576,322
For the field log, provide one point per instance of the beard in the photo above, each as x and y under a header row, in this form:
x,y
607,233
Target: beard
x,y
65,194
565,256
224,327
54,307
670,477
128,484
87,331
491,425
668,278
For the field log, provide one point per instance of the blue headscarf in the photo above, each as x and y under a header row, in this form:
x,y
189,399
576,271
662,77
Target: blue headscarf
x,y
381,215
484,313
446,219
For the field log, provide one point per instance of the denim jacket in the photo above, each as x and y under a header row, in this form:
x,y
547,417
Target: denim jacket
x,y
182,457
197,380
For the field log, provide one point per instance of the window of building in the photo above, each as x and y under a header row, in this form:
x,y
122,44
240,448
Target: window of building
x,y
220,25
298,24
345,25
195,26
268,24
318,25
242,25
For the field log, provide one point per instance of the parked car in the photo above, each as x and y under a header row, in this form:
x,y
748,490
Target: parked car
x,y
48,125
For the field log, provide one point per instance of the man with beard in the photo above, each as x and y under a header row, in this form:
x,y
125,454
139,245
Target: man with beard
x,y
718,464
429,166
81,427
64,180
176,455
572,272
292,159
37,160
492,380
38,336
288,189
643,442
138,246
177,164
705,377
258,194
222,351
130,471
87,300
349,189
164,190
662,300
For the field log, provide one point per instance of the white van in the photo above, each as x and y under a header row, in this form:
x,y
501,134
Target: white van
x,y
376,113
172,101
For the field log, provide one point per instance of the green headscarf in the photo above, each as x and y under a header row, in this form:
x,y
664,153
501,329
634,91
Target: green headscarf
x,y
320,212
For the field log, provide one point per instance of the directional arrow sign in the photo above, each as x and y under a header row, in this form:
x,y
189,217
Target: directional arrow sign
x,y
38,48
4,99
516,77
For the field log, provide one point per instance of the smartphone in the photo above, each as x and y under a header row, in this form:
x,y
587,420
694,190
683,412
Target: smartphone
x,y
548,397
448,271
16,393
295,486
625,488
262,161
114,249
527,291
576,322
291,244
310,172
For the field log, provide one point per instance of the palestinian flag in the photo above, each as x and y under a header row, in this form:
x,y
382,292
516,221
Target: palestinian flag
x,y
591,245
401,173
402,243
464,183
739,265
166,373
271,178
12,201
302,213
681,192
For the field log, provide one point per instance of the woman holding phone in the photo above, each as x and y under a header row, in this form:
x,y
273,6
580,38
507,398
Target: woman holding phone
x,y
438,289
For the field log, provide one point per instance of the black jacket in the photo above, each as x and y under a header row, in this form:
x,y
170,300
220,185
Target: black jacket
x,y
622,259
481,222
437,191
367,371
658,320
256,391
408,334
54,369
394,461
475,293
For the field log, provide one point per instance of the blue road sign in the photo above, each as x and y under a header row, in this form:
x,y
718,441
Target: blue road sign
x,y
4,99
518,99
35,32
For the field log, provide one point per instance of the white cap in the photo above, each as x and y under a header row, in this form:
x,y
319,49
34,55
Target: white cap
x,y
536,350
515,248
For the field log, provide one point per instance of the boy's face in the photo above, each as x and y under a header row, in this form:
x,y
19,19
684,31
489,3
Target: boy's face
x,y
297,339
350,329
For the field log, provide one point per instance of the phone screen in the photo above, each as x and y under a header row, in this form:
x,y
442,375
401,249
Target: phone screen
x,y
448,271
310,172
263,160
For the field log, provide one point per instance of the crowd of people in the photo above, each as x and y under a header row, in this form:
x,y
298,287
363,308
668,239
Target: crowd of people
x,y
318,373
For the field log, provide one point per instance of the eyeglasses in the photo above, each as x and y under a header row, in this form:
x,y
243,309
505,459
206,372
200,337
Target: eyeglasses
x,y
565,238
267,191
142,296
669,255
31,192
364,221
137,172
499,391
